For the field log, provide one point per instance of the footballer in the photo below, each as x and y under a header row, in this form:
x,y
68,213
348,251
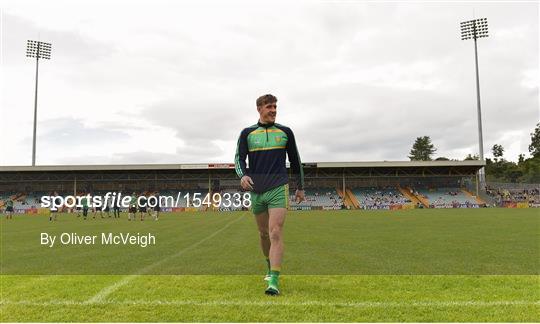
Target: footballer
x,y
266,145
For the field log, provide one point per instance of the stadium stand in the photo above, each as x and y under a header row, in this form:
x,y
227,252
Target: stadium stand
x,y
380,198
329,185
234,198
448,198
514,195
327,198
321,198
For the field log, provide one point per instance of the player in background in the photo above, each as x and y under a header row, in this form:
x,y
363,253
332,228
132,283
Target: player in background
x,y
97,209
149,210
53,211
157,208
132,212
116,207
84,203
107,208
78,210
9,208
142,206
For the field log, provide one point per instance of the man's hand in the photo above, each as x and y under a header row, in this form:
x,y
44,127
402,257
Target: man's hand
x,y
246,183
299,196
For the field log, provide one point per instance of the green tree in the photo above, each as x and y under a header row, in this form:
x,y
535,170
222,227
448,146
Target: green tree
x,y
442,158
531,170
521,158
525,170
534,147
498,152
511,172
502,170
470,157
422,149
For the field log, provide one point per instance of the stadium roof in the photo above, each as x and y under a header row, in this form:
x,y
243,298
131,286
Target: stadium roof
x,y
204,166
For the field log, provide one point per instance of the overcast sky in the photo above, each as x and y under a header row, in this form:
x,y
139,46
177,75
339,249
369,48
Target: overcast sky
x,y
171,82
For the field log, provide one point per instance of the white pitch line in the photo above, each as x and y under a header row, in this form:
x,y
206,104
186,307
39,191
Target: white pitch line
x,y
365,304
103,293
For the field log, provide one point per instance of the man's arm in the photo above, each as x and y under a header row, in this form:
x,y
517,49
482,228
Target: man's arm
x,y
240,156
294,158
240,162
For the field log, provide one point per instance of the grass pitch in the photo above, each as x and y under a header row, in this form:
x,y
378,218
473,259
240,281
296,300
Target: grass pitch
x,y
418,265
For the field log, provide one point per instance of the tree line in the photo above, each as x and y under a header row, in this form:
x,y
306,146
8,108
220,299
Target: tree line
x,y
498,169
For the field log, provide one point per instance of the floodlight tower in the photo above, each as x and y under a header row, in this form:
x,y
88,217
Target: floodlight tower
x,y
39,50
474,29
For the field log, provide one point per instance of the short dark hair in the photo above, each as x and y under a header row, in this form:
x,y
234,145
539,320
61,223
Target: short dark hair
x,y
266,99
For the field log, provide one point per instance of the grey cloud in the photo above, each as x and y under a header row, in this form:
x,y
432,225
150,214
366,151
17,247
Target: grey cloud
x,y
356,81
65,133
376,125
199,150
68,47
120,158
143,157
199,119
195,152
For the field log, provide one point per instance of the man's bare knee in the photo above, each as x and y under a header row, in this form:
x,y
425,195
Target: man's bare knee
x,y
275,233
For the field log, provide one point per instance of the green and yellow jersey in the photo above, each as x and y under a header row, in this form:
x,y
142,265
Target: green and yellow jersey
x,y
266,147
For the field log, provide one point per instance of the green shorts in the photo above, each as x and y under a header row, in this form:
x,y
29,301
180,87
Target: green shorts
x,y
277,197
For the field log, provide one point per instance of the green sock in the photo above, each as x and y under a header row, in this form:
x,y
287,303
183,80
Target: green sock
x,y
274,272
